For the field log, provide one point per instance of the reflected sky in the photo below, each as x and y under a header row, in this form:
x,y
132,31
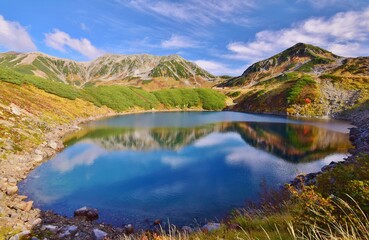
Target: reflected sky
x,y
185,171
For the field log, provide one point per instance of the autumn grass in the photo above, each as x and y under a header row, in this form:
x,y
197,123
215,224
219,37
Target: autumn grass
x,y
278,227
353,224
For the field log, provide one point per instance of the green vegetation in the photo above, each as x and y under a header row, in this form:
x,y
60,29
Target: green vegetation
x,y
309,66
348,177
234,94
295,93
335,78
121,98
186,98
56,88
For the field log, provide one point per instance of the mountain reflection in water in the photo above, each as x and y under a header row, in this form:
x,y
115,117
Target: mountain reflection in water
x,y
290,142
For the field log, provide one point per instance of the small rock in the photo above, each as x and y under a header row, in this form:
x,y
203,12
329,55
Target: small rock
x,y
53,145
11,190
211,227
99,235
12,181
21,235
22,197
38,158
38,151
28,207
157,222
50,228
89,214
72,229
36,222
15,109
128,229
68,231
21,205
187,229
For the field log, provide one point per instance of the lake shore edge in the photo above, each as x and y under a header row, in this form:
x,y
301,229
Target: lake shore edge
x,y
20,214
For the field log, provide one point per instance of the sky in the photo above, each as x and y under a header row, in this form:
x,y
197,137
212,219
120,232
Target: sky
x,y
223,37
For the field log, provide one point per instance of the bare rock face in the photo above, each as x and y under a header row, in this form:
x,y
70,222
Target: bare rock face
x,y
88,214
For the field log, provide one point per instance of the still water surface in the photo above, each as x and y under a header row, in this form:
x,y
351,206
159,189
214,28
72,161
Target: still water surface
x,y
183,166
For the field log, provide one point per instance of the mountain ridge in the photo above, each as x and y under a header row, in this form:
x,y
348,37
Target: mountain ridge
x,y
302,80
107,68
291,59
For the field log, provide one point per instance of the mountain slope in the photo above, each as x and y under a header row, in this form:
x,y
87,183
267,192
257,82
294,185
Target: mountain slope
x,y
301,57
110,68
122,98
302,80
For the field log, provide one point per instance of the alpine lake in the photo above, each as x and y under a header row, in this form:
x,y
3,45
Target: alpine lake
x,y
186,168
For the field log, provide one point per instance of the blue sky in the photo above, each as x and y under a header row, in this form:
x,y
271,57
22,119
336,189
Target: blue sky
x,y
223,37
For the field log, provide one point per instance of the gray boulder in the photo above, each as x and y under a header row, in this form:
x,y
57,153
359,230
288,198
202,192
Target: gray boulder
x,y
99,235
88,214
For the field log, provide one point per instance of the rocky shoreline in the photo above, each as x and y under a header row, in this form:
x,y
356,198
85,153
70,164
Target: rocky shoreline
x,y
18,214
359,138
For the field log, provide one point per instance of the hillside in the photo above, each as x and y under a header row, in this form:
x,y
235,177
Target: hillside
x,y
136,70
302,80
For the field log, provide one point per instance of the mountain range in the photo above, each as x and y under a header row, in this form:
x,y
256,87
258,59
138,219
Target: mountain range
x,y
109,69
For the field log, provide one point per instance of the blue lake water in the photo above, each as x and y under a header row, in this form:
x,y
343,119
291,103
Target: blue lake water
x,y
187,167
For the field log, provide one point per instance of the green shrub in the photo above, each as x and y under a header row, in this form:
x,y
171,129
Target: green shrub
x,y
296,90
211,99
120,98
57,88
350,179
309,66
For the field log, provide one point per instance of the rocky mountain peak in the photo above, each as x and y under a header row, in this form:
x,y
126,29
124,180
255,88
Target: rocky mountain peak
x,y
106,68
300,56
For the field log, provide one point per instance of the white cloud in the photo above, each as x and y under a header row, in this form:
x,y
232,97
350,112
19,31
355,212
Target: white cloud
x,y
346,34
216,138
177,41
175,161
59,40
15,37
217,68
195,11
66,162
